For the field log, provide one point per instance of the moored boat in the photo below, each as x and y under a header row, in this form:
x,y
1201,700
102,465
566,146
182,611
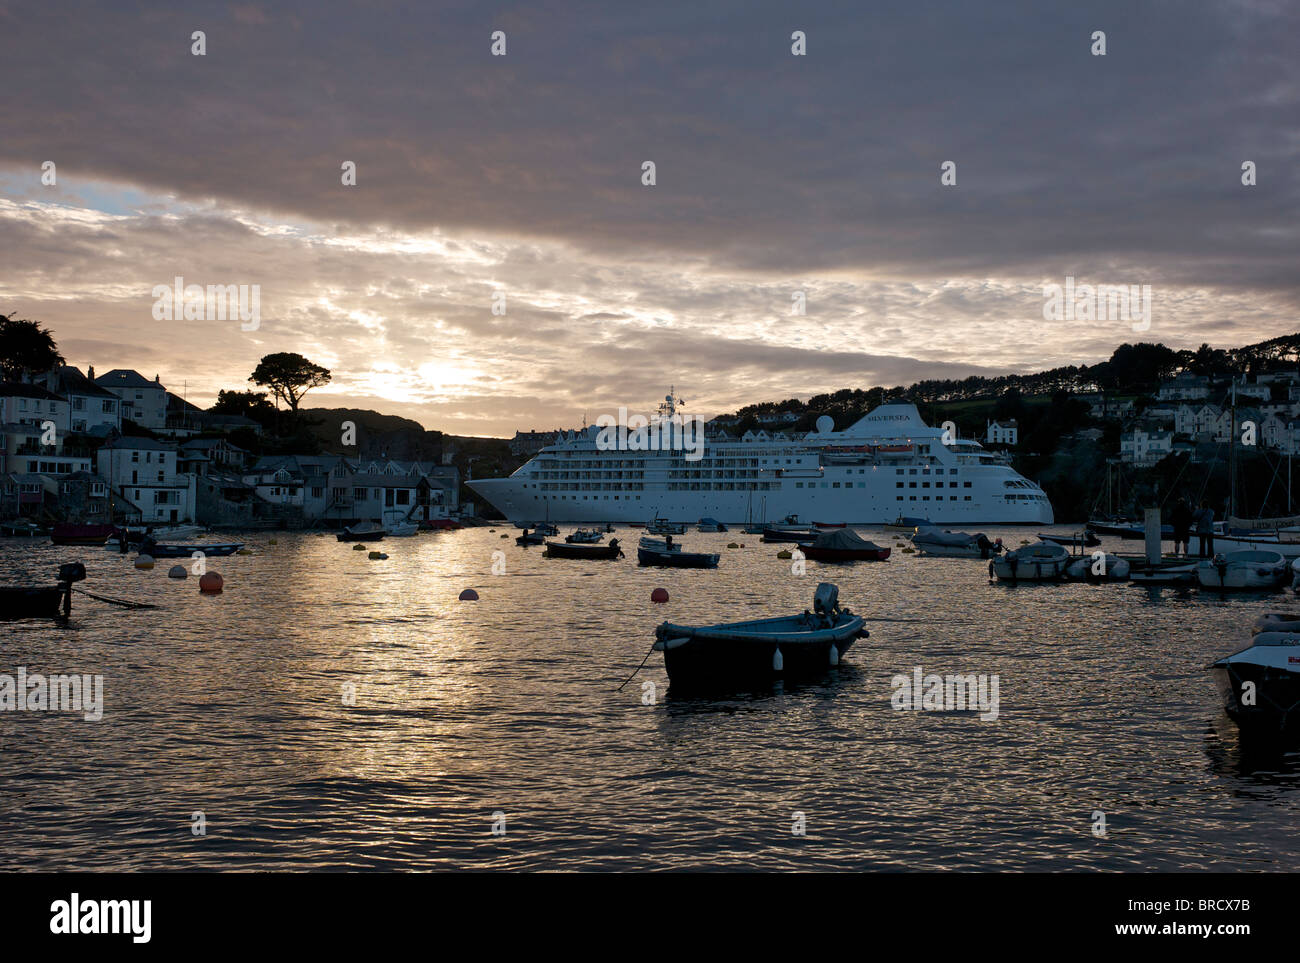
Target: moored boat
x,y
362,532
710,525
843,545
584,536
582,550
22,529
662,552
1084,539
188,550
908,523
1039,562
1260,683
531,538
931,541
1249,571
67,534
1165,573
1090,568
439,524
761,651
661,526
41,601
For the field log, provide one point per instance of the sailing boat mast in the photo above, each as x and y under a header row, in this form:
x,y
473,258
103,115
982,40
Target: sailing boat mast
x,y
1232,452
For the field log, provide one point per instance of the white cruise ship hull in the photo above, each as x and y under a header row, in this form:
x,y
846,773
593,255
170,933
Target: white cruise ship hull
x,y
888,464
852,506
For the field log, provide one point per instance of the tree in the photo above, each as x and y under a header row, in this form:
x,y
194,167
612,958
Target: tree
x,y
25,347
289,376
249,404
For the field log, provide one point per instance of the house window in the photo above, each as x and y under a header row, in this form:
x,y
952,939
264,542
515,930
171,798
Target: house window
x,y
359,494
317,492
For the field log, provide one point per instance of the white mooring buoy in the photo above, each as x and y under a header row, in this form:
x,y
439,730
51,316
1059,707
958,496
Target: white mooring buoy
x,y
778,663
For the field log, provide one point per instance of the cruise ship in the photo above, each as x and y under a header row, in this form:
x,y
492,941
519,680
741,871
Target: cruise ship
x,y
886,465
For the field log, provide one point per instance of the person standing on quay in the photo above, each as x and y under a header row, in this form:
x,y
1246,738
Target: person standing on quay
x,y
1181,521
1205,529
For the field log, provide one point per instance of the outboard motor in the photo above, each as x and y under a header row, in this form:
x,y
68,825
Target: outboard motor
x,y
72,572
826,602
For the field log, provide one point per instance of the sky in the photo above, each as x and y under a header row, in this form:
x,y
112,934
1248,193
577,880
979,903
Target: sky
x,y
482,177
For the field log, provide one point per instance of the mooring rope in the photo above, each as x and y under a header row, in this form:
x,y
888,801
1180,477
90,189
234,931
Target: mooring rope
x,y
638,669
121,602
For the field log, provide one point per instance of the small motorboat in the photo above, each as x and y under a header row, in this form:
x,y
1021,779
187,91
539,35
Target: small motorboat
x,y
1250,570
662,552
395,526
710,525
945,544
1260,683
66,534
908,523
531,538
762,651
439,524
568,549
844,545
134,536
783,533
22,530
661,526
41,601
1084,539
584,536
1276,622
188,550
362,532
1089,568
1039,562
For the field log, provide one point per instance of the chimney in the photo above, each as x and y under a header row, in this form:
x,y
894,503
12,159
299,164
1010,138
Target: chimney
x,y
91,372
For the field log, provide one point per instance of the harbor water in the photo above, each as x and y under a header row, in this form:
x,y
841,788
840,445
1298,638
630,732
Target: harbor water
x,y
332,712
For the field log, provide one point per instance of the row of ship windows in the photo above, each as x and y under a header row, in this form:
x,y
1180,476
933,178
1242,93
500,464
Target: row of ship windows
x,y
594,498
926,498
936,484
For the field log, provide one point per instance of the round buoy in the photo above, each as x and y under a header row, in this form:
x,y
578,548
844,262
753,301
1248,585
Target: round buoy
x,y
358,548
469,595
659,595
378,555
210,583
784,553
144,561
244,551
908,551
505,536
178,571
732,545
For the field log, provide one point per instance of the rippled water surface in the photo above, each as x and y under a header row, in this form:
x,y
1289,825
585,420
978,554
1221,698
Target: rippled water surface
x,y
233,706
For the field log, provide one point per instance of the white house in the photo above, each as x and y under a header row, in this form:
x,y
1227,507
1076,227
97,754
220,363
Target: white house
x,y
91,409
143,401
1002,433
144,472
1184,387
1145,446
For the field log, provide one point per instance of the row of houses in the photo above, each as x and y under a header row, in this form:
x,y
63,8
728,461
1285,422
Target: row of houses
x,y
63,456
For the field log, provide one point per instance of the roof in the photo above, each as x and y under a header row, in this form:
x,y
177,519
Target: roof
x,y
21,389
138,444
125,378
76,383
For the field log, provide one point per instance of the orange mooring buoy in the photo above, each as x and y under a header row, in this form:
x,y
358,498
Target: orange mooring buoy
x,y
210,583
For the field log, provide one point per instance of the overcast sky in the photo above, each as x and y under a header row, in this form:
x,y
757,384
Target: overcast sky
x,y
522,174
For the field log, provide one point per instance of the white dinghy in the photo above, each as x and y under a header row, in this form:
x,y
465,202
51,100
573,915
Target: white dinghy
x,y
1040,562
1251,570
1098,567
944,544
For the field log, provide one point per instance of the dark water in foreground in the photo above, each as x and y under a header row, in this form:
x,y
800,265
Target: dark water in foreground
x,y
233,706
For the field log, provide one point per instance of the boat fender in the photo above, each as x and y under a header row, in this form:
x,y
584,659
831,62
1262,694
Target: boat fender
x,y
663,645
835,655
778,662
